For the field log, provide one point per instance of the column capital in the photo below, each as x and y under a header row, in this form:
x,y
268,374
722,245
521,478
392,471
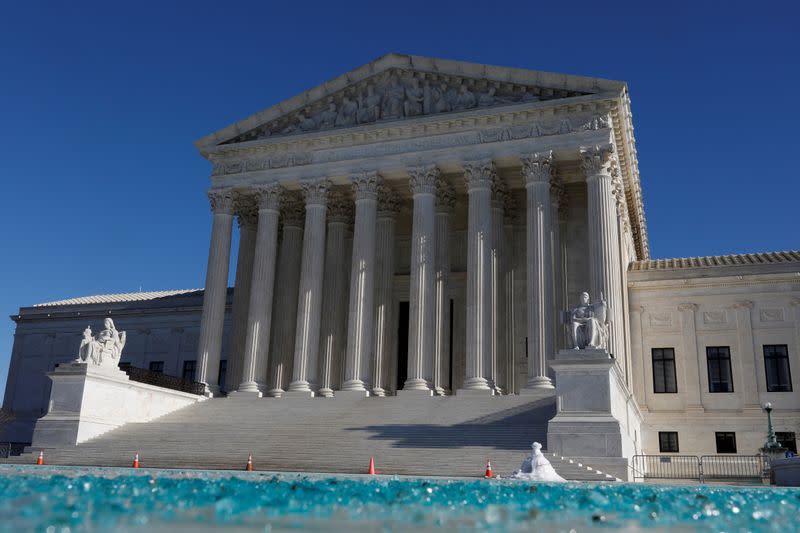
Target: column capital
x,y
388,202
315,192
365,185
445,196
596,159
340,208
422,180
268,196
537,167
499,193
246,211
479,174
292,209
222,201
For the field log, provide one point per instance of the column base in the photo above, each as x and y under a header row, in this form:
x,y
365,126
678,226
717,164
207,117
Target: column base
x,y
476,384
379,392
300,386
352,394
295,394
441,391
276,393
420,393
538,383
245,394
250,387
325,392
353,385
417,384
212,391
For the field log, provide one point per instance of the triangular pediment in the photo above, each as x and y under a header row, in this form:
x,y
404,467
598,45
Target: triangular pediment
x,y
397,87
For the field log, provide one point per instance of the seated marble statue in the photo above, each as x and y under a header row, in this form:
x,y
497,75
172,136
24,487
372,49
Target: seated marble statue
x,y
536,467
106,349
587,322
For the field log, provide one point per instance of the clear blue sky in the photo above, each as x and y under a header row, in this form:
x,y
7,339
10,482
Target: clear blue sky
x,y
100,102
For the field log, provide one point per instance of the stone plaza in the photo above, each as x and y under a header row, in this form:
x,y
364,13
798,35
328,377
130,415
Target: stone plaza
x,y
422,228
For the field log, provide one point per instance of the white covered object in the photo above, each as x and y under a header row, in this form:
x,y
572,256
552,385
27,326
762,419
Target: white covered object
x,y
536,467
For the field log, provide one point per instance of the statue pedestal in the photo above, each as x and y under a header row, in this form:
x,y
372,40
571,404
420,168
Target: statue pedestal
x,y
88,400
597,420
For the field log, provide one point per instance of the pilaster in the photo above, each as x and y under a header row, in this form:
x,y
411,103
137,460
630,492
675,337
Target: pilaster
x,y
692,382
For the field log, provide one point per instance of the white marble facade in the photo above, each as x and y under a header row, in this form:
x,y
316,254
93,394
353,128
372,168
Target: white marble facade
x,y
416,226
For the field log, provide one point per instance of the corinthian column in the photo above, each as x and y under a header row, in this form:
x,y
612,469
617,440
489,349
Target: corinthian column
x,y
557,198
309,307
333,326
362,284
445,199
247,215
388,204
422,280
479,176
499,319
604,252
285,302
216,290
536,172
259,320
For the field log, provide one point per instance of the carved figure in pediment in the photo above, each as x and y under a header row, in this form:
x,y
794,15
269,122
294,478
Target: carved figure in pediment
x,y
488,98
465,100
369,106
392,105
438,96
528,96
415,96
305,123
326,120
347,113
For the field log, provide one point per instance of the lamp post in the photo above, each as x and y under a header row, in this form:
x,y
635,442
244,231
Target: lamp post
x,y
772,442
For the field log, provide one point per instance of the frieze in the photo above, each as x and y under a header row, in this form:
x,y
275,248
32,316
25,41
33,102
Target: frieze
x,y
772,315
491,135
397,94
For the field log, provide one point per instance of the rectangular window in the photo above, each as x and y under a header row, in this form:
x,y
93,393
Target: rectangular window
x,y
157,366
787,440
726,442
720,378
668,441
223,370
664,379
776,364
188,370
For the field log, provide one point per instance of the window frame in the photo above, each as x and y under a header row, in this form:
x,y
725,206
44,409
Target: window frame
x,y
152,363
719,434
718,360
785,357
662,363
193,363
668,435
784,437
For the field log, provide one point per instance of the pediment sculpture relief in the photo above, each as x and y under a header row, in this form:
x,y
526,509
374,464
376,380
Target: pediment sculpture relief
x,y
398,94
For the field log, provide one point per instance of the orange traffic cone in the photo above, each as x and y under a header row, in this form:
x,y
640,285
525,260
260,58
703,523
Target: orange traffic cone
x,y
371,470
40,459
136,460
489,474
249,466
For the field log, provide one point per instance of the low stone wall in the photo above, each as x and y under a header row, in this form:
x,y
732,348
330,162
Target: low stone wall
x,y
87,401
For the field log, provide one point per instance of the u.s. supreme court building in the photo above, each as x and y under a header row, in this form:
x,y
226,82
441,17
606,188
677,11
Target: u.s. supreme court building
x,y
422,228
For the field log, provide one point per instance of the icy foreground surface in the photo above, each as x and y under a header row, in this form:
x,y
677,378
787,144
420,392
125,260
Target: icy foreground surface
x,y
73,499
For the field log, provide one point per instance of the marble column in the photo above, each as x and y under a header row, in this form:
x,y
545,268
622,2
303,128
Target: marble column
x,y
285,301
309,299
604,253
478,176
536,170
216,290
499,319
388,205
445,200
421,314
333,327
361,315
509,222
247,215
259,320
557,267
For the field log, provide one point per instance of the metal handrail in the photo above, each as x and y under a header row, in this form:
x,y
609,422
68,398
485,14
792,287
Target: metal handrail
x,y
667,466
733,466
700,468
143,375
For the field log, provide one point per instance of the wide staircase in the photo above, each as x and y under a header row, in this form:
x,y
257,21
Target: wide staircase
x,y
442,436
